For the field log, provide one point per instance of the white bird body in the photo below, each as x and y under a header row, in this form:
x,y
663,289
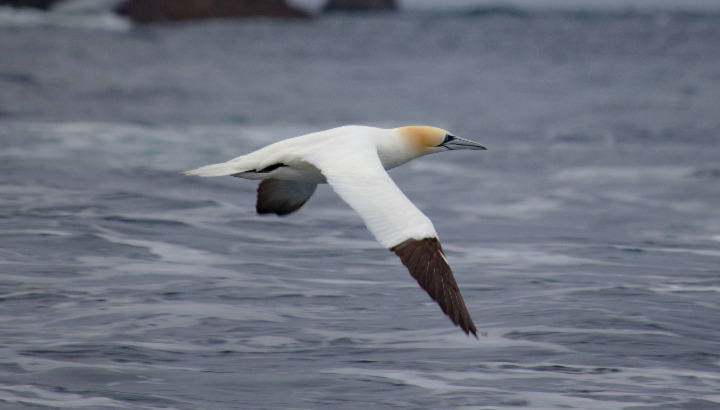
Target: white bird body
x,y
391,150
353,160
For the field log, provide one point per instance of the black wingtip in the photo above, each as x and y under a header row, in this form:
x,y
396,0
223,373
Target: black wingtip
x,y
425,260
472,331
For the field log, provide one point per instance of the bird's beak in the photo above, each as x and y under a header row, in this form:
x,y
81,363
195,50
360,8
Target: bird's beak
x,y
461,143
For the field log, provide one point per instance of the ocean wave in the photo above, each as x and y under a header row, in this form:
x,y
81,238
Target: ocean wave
x,y
70,16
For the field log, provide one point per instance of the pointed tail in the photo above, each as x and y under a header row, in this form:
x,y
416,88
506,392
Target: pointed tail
x,y
216,170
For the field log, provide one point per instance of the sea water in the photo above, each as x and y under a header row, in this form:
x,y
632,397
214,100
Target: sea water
x,y
586,240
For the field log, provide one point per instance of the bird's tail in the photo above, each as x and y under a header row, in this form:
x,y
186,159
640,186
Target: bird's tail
x,y
217,170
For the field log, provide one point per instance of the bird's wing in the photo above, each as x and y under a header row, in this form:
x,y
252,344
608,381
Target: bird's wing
x,y
426,262
282,197
355,172
360,179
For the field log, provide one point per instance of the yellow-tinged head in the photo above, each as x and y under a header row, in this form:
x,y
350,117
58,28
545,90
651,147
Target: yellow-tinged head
x,y
427,140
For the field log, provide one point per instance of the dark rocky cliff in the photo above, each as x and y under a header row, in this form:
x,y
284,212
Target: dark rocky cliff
x,y
360,5
144,11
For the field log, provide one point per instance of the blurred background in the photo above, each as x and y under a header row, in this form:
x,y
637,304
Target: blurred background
x,y
586,240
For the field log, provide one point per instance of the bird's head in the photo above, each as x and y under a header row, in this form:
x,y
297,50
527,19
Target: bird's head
x,y
427,140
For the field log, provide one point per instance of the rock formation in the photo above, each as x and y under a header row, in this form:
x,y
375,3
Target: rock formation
x,y
145,11
38,4
360,5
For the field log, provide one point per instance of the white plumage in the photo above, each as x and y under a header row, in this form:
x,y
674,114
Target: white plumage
x,y
354,160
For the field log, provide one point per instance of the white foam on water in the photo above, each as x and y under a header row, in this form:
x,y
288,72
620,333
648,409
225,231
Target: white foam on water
x,y
35,232
344,282
542,400
675,288
65,17
172,346
584,330
181,301
37,396
702,252
405,377
170,271
183,313
273,342
624,174
513,257
441,383
551,385
123,145
445,168
169,252
530,207
441,338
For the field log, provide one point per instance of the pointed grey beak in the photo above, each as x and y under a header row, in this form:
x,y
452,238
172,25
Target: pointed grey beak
x,y
460,143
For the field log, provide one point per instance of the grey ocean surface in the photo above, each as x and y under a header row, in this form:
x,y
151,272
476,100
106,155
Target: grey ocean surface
x,y
586,240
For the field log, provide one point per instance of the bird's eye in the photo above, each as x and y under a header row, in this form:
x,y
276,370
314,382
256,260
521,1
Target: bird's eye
x,y
448,138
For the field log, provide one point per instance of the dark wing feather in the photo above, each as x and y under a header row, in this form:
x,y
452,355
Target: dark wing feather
x,y
282,197
426,262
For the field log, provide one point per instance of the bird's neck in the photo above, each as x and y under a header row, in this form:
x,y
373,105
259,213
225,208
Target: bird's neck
x,y
394,151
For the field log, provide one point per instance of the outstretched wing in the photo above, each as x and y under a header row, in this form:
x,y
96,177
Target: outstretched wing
x,y
426,262
360,179
355,172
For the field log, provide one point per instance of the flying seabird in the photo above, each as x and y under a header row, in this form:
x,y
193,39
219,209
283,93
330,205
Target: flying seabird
x,y
353,160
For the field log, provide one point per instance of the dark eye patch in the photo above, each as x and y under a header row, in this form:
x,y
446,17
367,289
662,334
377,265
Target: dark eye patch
x,y
448,138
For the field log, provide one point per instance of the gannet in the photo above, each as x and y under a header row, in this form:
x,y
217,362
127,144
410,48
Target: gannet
x,y
353,160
